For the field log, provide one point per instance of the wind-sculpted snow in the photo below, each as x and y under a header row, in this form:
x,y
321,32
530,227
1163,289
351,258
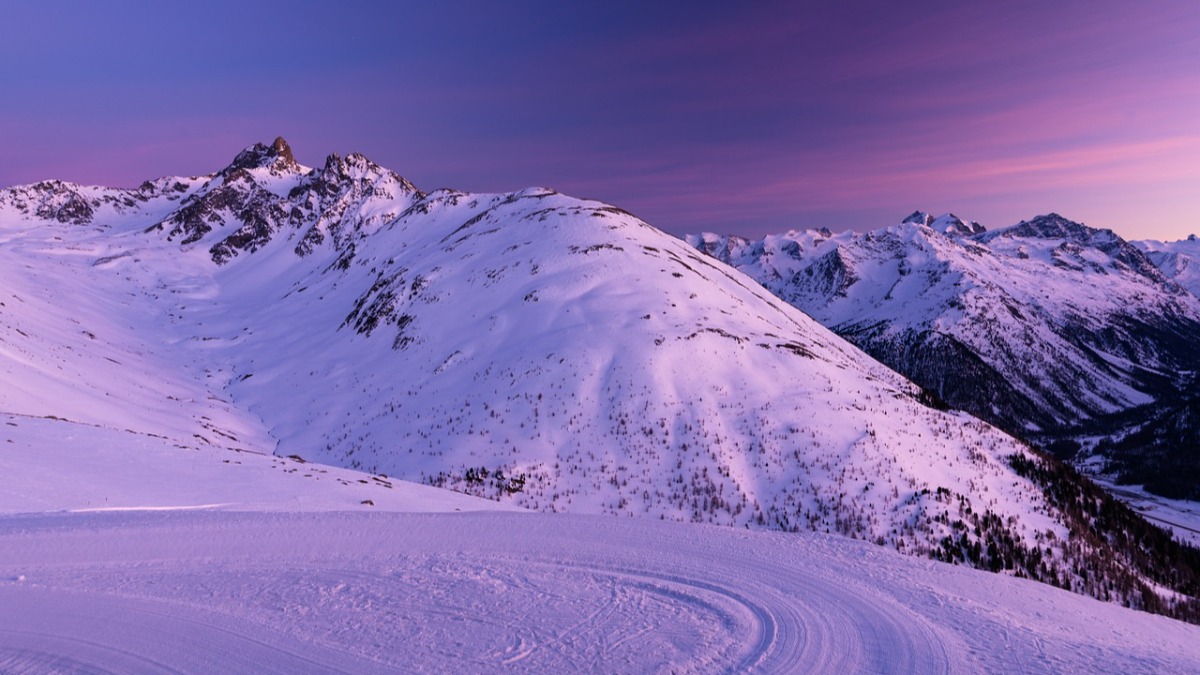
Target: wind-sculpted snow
x,y
298,593
551,352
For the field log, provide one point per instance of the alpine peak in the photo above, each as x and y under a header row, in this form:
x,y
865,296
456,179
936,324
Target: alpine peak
x,y
918,218
277,157
1052,226
951,224
281,149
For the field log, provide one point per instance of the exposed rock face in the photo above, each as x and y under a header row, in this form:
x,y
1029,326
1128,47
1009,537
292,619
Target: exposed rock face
x,y
264,191
283,151
277,158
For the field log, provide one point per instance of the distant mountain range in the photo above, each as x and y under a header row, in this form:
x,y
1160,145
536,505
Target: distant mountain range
x,y
564,355
1062,334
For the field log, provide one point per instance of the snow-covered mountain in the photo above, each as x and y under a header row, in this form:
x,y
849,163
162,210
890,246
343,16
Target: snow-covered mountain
x,y
1178,260
1049,328
1158,445
551,351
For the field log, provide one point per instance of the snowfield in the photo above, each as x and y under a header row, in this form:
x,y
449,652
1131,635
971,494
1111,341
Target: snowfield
x,y
206,591
56,465
129,553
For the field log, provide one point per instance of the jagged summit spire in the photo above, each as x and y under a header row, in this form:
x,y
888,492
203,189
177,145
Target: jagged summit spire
x,y
918,218
277,156
282,150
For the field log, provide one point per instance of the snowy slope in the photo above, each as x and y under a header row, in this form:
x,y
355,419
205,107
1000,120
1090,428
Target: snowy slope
x,y
1178,260
55,465
197,559
552,352
73,329
196,592
1046,328
532,334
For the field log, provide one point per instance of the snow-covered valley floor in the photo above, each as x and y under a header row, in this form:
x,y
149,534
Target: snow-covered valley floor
x,y
1180,516
196,563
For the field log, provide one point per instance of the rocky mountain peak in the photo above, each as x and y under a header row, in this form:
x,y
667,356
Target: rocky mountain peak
x,y
917,218
947,223
953,225
282,150
277,157
720,247
1053,226
353,163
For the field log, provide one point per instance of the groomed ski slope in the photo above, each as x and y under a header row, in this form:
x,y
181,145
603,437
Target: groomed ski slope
x,y
196,564
212,591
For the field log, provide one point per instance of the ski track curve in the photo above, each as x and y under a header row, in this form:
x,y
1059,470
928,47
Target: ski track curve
x,y
234,592
817,626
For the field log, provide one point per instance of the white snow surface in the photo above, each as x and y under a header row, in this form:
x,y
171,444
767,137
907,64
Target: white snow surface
x,y
123,552
189,591
52,465
1179,260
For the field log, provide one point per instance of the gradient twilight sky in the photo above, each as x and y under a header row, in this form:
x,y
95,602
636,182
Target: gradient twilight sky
x,y
744,118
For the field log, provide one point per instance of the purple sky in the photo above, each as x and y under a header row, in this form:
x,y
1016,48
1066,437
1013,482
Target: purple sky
x,y
745,118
